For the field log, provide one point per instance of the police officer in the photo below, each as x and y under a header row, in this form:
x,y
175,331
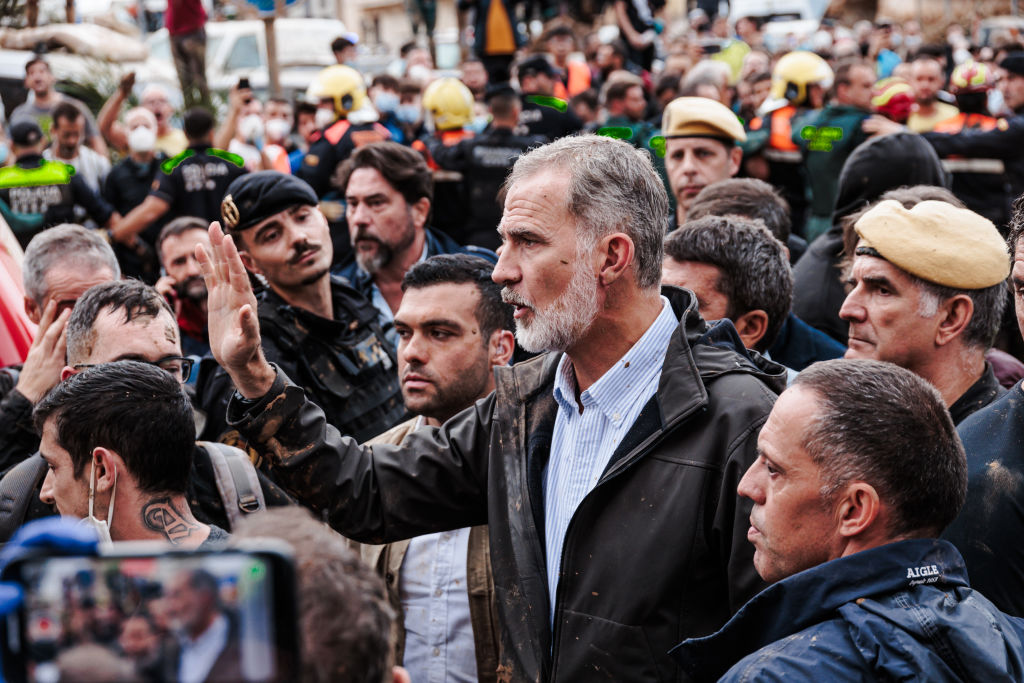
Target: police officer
x,y
542,114
340,91
322,333
799,84
190,184
484,162
36,194
1002,142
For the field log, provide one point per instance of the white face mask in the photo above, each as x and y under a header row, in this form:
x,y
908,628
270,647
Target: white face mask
x,y
277,129
142,139
324,117
102,527
251,128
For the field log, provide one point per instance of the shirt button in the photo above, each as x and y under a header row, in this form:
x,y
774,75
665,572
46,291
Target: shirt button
x,y
616,417
437,593
437,651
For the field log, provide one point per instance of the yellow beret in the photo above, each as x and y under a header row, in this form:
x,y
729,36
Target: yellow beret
x,y
690,117
937,242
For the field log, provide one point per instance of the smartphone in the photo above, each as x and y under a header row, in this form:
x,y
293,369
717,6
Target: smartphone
x,y
140,612
243,82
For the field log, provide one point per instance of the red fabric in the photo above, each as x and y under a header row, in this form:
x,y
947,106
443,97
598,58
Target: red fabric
x,y
184,16
16,330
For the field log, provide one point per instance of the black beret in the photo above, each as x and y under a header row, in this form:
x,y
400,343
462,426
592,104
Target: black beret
x,y
254,197
1014,63
26,133
535,65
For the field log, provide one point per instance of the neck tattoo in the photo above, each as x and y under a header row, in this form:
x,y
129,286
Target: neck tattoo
x,y
160,515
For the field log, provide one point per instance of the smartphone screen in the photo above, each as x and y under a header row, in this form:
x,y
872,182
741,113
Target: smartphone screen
x,y
168,617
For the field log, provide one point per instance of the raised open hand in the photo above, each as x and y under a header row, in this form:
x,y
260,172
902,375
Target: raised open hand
x,y
45,359
231,308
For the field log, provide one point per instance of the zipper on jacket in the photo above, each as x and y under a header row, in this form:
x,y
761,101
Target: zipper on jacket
x,y
619,468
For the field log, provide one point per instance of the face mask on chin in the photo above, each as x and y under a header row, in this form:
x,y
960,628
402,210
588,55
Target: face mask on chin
x,y
324,118
102,527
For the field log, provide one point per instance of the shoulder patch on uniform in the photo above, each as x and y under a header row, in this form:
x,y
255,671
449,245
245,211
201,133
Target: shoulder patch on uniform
x,y
311,160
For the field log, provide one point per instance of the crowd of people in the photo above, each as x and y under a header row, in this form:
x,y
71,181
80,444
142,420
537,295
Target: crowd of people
x,y
664,356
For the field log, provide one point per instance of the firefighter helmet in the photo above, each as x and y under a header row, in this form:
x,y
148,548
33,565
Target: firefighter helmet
x,y
797,70
342,84
449,103
971,76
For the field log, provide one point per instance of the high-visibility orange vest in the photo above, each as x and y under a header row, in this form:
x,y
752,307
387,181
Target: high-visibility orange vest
x,y
962,122
579,80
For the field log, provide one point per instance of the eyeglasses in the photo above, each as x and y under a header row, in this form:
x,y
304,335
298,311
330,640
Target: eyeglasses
x,y
179,367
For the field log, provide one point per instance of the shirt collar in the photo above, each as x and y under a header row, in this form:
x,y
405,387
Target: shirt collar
x,y
615,391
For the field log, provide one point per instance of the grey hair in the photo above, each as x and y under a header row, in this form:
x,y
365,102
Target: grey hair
x,y
882,424
989,304
613,187
71,246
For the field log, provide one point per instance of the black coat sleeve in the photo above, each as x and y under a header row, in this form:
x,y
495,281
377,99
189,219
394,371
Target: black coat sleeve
x,y
435,480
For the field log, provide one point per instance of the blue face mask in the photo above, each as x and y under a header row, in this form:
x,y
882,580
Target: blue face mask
x,y
408,113
4,151
479,124
386,102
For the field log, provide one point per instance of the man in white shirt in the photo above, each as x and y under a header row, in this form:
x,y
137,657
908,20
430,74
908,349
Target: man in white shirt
x,y
68,134
453,330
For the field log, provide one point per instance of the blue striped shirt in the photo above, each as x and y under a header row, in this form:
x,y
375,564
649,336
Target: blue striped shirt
x,y
583,443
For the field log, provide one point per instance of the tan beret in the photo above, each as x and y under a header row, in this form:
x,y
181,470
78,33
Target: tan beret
x,y
690,117
937,242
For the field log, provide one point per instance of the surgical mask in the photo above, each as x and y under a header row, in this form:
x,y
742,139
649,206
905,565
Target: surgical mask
x,y
386,102
479,124
408,113
142,139
102,527
996,104
4,151
278,129
251,128
324,117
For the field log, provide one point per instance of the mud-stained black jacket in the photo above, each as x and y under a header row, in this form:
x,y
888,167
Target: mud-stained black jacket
x,y
655,553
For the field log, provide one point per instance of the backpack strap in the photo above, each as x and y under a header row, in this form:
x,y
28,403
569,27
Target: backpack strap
x,y
237,483
17,489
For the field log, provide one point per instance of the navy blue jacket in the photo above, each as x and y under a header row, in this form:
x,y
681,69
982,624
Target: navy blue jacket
x,y
899,612
798,345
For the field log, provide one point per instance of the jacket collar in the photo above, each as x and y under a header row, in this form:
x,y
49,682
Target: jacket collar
x,y
813,595
696,353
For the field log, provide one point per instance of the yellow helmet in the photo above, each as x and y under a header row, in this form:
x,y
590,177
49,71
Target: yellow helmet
x,y
970,76
797,70
449,102
340,83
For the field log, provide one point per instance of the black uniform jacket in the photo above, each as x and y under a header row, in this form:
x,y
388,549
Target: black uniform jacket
x,y
655,553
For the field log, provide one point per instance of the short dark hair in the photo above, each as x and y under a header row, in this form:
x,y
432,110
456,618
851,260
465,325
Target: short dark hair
x,y
884,425
1016,226
136,299
37,59
341,43
345,619
843,71
136,410
747,197
989,302
617,90
66,111
179,226
403,168
491,312
198,122
755,271
385,81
